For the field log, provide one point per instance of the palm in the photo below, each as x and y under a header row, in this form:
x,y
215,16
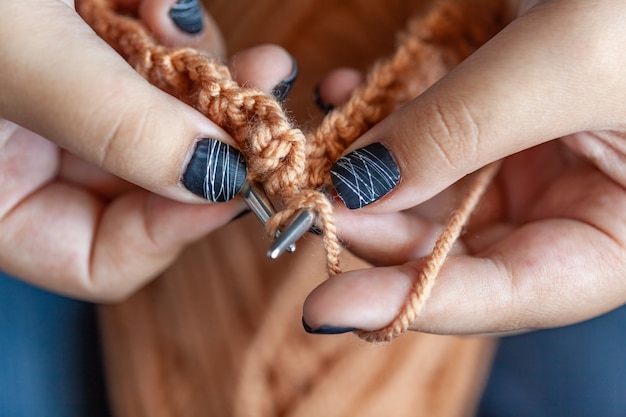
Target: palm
x,y
557,240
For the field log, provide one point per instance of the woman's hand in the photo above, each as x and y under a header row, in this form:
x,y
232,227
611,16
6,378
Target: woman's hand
x,y
92,156
549,246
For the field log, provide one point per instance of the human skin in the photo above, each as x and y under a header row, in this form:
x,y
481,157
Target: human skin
x,y
548,94
91,155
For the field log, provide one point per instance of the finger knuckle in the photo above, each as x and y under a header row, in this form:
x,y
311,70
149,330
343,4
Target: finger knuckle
x,y
120,137
454,132
122,131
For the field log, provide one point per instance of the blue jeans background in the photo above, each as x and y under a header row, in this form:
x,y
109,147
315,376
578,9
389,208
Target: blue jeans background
x,y
573,371
50,363
49,355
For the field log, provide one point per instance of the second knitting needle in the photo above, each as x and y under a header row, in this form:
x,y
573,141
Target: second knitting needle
x,y
285,239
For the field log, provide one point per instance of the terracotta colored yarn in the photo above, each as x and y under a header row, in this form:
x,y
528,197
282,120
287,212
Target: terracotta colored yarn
x,y
292,166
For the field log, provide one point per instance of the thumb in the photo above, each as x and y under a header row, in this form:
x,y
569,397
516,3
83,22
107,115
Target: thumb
x,y
58,79
544,76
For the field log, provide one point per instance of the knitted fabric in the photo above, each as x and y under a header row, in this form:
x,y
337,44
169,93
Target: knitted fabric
x,y
294,167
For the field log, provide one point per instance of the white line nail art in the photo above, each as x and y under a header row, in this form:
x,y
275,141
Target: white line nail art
x,y
216,171
365,175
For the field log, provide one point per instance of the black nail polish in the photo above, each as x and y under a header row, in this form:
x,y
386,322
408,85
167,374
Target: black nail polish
x,y
326,329
365,175
187,15
216,171
282,89
321,104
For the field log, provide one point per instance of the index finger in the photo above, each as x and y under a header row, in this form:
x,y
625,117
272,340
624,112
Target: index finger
x,y
551,72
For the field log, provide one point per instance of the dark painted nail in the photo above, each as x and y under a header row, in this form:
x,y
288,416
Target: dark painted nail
x,y
321,104
326,329
282,89
187,15
216,171
365,175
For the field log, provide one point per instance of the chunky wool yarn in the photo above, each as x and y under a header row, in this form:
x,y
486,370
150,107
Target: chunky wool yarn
x,y
293,166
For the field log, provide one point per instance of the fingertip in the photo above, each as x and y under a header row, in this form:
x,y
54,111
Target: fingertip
x,y
182,22
336,88
361,299
267,67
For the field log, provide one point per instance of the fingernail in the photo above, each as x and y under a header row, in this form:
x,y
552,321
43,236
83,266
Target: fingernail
x,y
321,104
187,15
216,171
326,329
365,175
282,89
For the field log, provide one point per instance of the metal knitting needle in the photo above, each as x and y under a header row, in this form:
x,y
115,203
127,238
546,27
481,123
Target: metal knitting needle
x,y
257,201
262,207
299,226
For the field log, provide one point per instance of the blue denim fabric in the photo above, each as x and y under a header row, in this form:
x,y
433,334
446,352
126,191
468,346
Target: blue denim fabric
x,y
573,371
50,363
49,355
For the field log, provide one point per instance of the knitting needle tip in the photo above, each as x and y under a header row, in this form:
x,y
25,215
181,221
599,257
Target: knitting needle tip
x,y
262,207
287,238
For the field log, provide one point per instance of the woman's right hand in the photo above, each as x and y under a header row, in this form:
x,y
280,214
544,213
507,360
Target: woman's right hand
x,y
91,156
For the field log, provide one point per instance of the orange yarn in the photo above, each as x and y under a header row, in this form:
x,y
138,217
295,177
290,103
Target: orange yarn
x,y
294,167
425,281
